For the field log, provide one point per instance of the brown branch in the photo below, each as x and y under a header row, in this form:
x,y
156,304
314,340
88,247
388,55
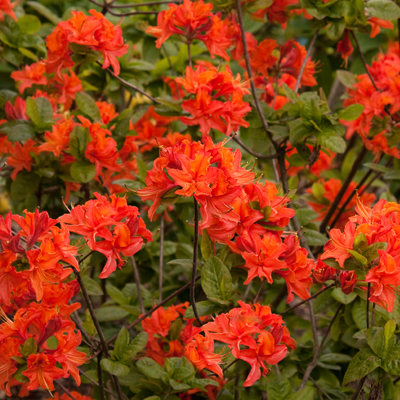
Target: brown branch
x,y
363,60
137,282
330,327
250,75
343,189
259,290
161,264
100,377
359,388
151,3
127,84
308,55
194,268
310,298
252,152
66,391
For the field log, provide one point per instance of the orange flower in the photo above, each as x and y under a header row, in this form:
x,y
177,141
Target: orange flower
x,y
20,157
33,74
42,371
6,8
57,141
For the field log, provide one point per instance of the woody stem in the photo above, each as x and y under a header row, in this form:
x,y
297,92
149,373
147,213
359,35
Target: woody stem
x,y
250,75
91,310
303,66
127,84
161,268
100,377
189,55
137,282
194,268
343,189
368,294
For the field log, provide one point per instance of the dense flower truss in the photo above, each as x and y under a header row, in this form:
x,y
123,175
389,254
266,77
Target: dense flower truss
x,y
379,103
217,101
111,227
367,252
39,340
252,334
234,209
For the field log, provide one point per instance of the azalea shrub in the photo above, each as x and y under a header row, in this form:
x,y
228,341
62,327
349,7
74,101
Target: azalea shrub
x,y
199,199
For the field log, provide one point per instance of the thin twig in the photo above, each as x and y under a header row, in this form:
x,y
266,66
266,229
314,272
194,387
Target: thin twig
x,y
105,187
189,55
359,388
237,391
161,265
368,185
91,310
303,66
156,307
351,195
252,152
343,189
132,13
100,377
75,318
137,282
368,294
320,388
259,290
310,298
330,327
67,392
124,82
151,3
363,60
314,362
82,372
250,75
194,268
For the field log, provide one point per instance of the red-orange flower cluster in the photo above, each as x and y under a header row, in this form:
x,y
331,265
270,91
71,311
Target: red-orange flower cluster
x,y
111,227
370,240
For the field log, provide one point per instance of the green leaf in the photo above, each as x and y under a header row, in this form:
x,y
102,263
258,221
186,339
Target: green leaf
x,y
13,56
290,93
388,332
364,362
305,216
29,24
24,184
135,346
339,296
78,141
18,130
314,238
383,9
335,358
204,308
114,367
390,176
29,347
92,287
129,183
207,246
87,105
83,171
18,375
279,389
322,301
44,11
347,78
121,343
116,294
351,113
333,143
216,281
39,110
178,385
111,313
359,258
150,368
377,167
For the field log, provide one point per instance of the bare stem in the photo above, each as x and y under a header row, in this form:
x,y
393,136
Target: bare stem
x,y
303,66
359,388
343,189
137,282
91,310
310,298
194,268
151,3
249,73
160,277
66,391
189,55
127,84
368,294
252,152
100,377
330,327
259,290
